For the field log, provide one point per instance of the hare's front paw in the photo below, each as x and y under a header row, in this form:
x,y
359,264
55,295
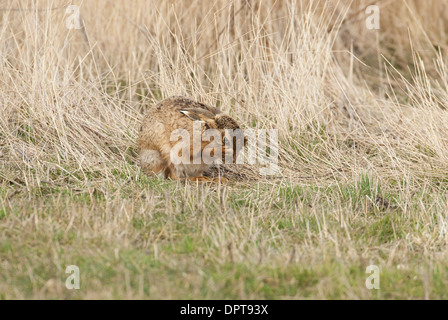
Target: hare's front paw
x,y
207,179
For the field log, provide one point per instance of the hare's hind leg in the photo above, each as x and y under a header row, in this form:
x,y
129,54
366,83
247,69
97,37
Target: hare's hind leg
x,y
151,161
170,173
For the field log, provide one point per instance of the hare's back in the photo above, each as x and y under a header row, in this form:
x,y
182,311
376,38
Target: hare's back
x,y
178,103
165,117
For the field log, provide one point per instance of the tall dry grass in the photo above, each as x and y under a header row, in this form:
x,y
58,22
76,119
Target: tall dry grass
x,y
74,98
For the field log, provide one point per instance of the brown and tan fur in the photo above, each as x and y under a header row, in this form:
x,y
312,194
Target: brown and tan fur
x,y
154,143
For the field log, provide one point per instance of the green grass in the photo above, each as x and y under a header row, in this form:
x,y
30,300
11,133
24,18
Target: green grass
x,y
158,239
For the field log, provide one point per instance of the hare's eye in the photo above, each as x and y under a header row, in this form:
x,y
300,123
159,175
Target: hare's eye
x,y
226,141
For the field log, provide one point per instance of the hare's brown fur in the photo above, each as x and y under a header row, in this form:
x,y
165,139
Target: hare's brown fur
x,y
154,143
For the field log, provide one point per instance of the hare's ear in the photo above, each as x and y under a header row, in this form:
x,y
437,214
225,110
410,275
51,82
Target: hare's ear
x,y
196,114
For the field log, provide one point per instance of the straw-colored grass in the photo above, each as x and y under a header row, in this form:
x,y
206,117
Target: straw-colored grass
x,y
363,134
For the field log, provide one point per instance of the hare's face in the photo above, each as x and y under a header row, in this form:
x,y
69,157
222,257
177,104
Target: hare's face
x,y
223,145
220,134
233,142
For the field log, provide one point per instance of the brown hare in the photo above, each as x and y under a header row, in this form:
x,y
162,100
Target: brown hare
x,y
177,114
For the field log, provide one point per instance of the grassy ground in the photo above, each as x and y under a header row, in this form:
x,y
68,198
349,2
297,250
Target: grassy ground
x,y
362,123
143,238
